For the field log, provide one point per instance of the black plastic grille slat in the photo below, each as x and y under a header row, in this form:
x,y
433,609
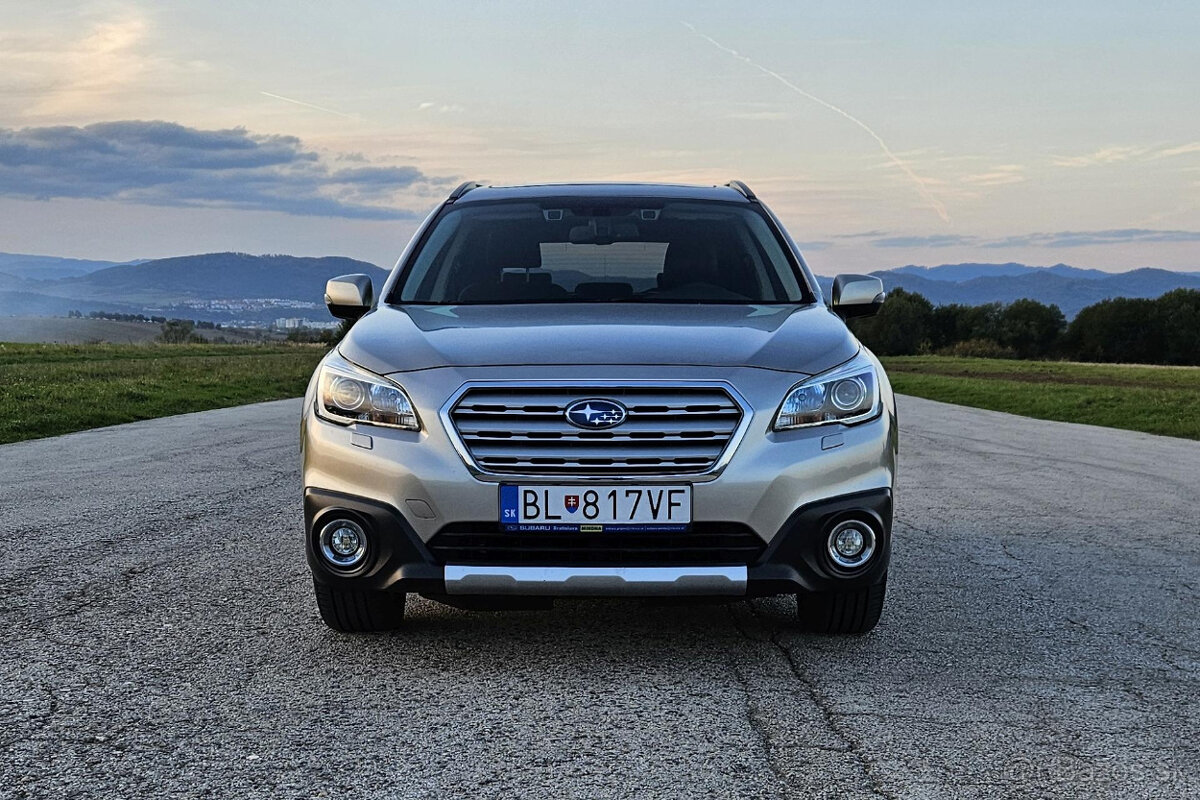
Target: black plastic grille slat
x,y
486,544
669,430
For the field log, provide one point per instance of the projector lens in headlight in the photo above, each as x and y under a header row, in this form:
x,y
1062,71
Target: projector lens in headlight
x,y
846,394
348,393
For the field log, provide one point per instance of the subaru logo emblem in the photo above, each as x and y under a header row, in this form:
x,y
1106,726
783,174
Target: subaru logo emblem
x,y
595,414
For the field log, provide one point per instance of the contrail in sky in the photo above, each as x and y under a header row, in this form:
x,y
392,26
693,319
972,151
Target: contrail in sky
x,y
308,105
917,179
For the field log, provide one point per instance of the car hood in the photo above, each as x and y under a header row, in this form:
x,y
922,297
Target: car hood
x,y
805,339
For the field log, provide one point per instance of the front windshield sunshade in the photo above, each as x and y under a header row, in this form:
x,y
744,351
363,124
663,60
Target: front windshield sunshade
x,y
600,252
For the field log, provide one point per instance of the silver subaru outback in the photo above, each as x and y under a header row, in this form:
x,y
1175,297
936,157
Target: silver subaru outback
x,y
614,390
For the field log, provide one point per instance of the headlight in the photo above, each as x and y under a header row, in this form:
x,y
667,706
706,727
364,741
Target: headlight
x,y
849,393
346,393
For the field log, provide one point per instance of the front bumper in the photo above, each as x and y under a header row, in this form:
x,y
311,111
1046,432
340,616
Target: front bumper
x,y
758,518
794,561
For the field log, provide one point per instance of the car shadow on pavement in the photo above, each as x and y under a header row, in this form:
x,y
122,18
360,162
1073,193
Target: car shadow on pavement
x,y
583,633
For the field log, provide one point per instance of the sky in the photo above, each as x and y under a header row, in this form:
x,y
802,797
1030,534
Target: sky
x,y
882,134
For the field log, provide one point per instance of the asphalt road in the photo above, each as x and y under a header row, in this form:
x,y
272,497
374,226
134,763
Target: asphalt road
x,y
158,638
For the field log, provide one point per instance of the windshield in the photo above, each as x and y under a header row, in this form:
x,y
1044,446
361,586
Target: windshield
x,y
600,251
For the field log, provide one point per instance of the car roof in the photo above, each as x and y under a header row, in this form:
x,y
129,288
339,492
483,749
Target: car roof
x,y
675,191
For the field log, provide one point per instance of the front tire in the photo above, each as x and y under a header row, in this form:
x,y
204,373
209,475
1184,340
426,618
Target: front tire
x,y
851,612
350,611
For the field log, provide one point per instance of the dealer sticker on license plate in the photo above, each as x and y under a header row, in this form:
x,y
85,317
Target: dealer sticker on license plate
x,y
594,509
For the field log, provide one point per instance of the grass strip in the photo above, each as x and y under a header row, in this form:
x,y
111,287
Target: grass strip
x,y
1160,400
47,390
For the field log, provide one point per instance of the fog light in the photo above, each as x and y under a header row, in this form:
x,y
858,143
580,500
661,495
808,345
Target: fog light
x,y
343,543
851,543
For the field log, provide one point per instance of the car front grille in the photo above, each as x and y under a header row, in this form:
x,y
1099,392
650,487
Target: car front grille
x,y
669,430
486,544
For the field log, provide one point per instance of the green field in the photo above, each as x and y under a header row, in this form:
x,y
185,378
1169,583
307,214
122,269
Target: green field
x,y
1162,400
48,389
51,389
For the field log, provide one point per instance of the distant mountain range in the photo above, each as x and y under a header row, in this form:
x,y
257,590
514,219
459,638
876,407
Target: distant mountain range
x,y
51,267
1069,288
220,287
224,287
219,276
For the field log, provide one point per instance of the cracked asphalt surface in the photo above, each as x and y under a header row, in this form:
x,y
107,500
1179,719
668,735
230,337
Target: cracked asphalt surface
x,y
159,639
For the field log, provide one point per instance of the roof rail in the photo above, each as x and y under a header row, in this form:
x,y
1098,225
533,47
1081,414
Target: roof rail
x,y
744,189
462,189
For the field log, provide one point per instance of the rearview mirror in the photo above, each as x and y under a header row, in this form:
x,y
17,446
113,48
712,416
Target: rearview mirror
x,y
349,296
602,232
857,296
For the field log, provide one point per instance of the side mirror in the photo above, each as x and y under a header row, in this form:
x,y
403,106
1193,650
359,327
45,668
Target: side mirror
x,y
857,296
349,296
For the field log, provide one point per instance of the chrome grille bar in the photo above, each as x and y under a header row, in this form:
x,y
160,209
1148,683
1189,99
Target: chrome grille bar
x,y
522,429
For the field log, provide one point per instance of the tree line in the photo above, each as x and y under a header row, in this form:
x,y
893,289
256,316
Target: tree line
x,y
118,316
1163,330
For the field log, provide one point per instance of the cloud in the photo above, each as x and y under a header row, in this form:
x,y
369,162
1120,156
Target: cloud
x,y
441,108
1103,156
1058,239
1183,149
1087,238
1116,155
937,240
999,175
167,164
75,68
863,235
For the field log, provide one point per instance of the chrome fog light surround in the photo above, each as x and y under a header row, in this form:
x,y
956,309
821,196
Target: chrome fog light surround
x,y
851,543
343,543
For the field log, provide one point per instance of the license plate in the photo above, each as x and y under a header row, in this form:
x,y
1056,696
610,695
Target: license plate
x,y
595,509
